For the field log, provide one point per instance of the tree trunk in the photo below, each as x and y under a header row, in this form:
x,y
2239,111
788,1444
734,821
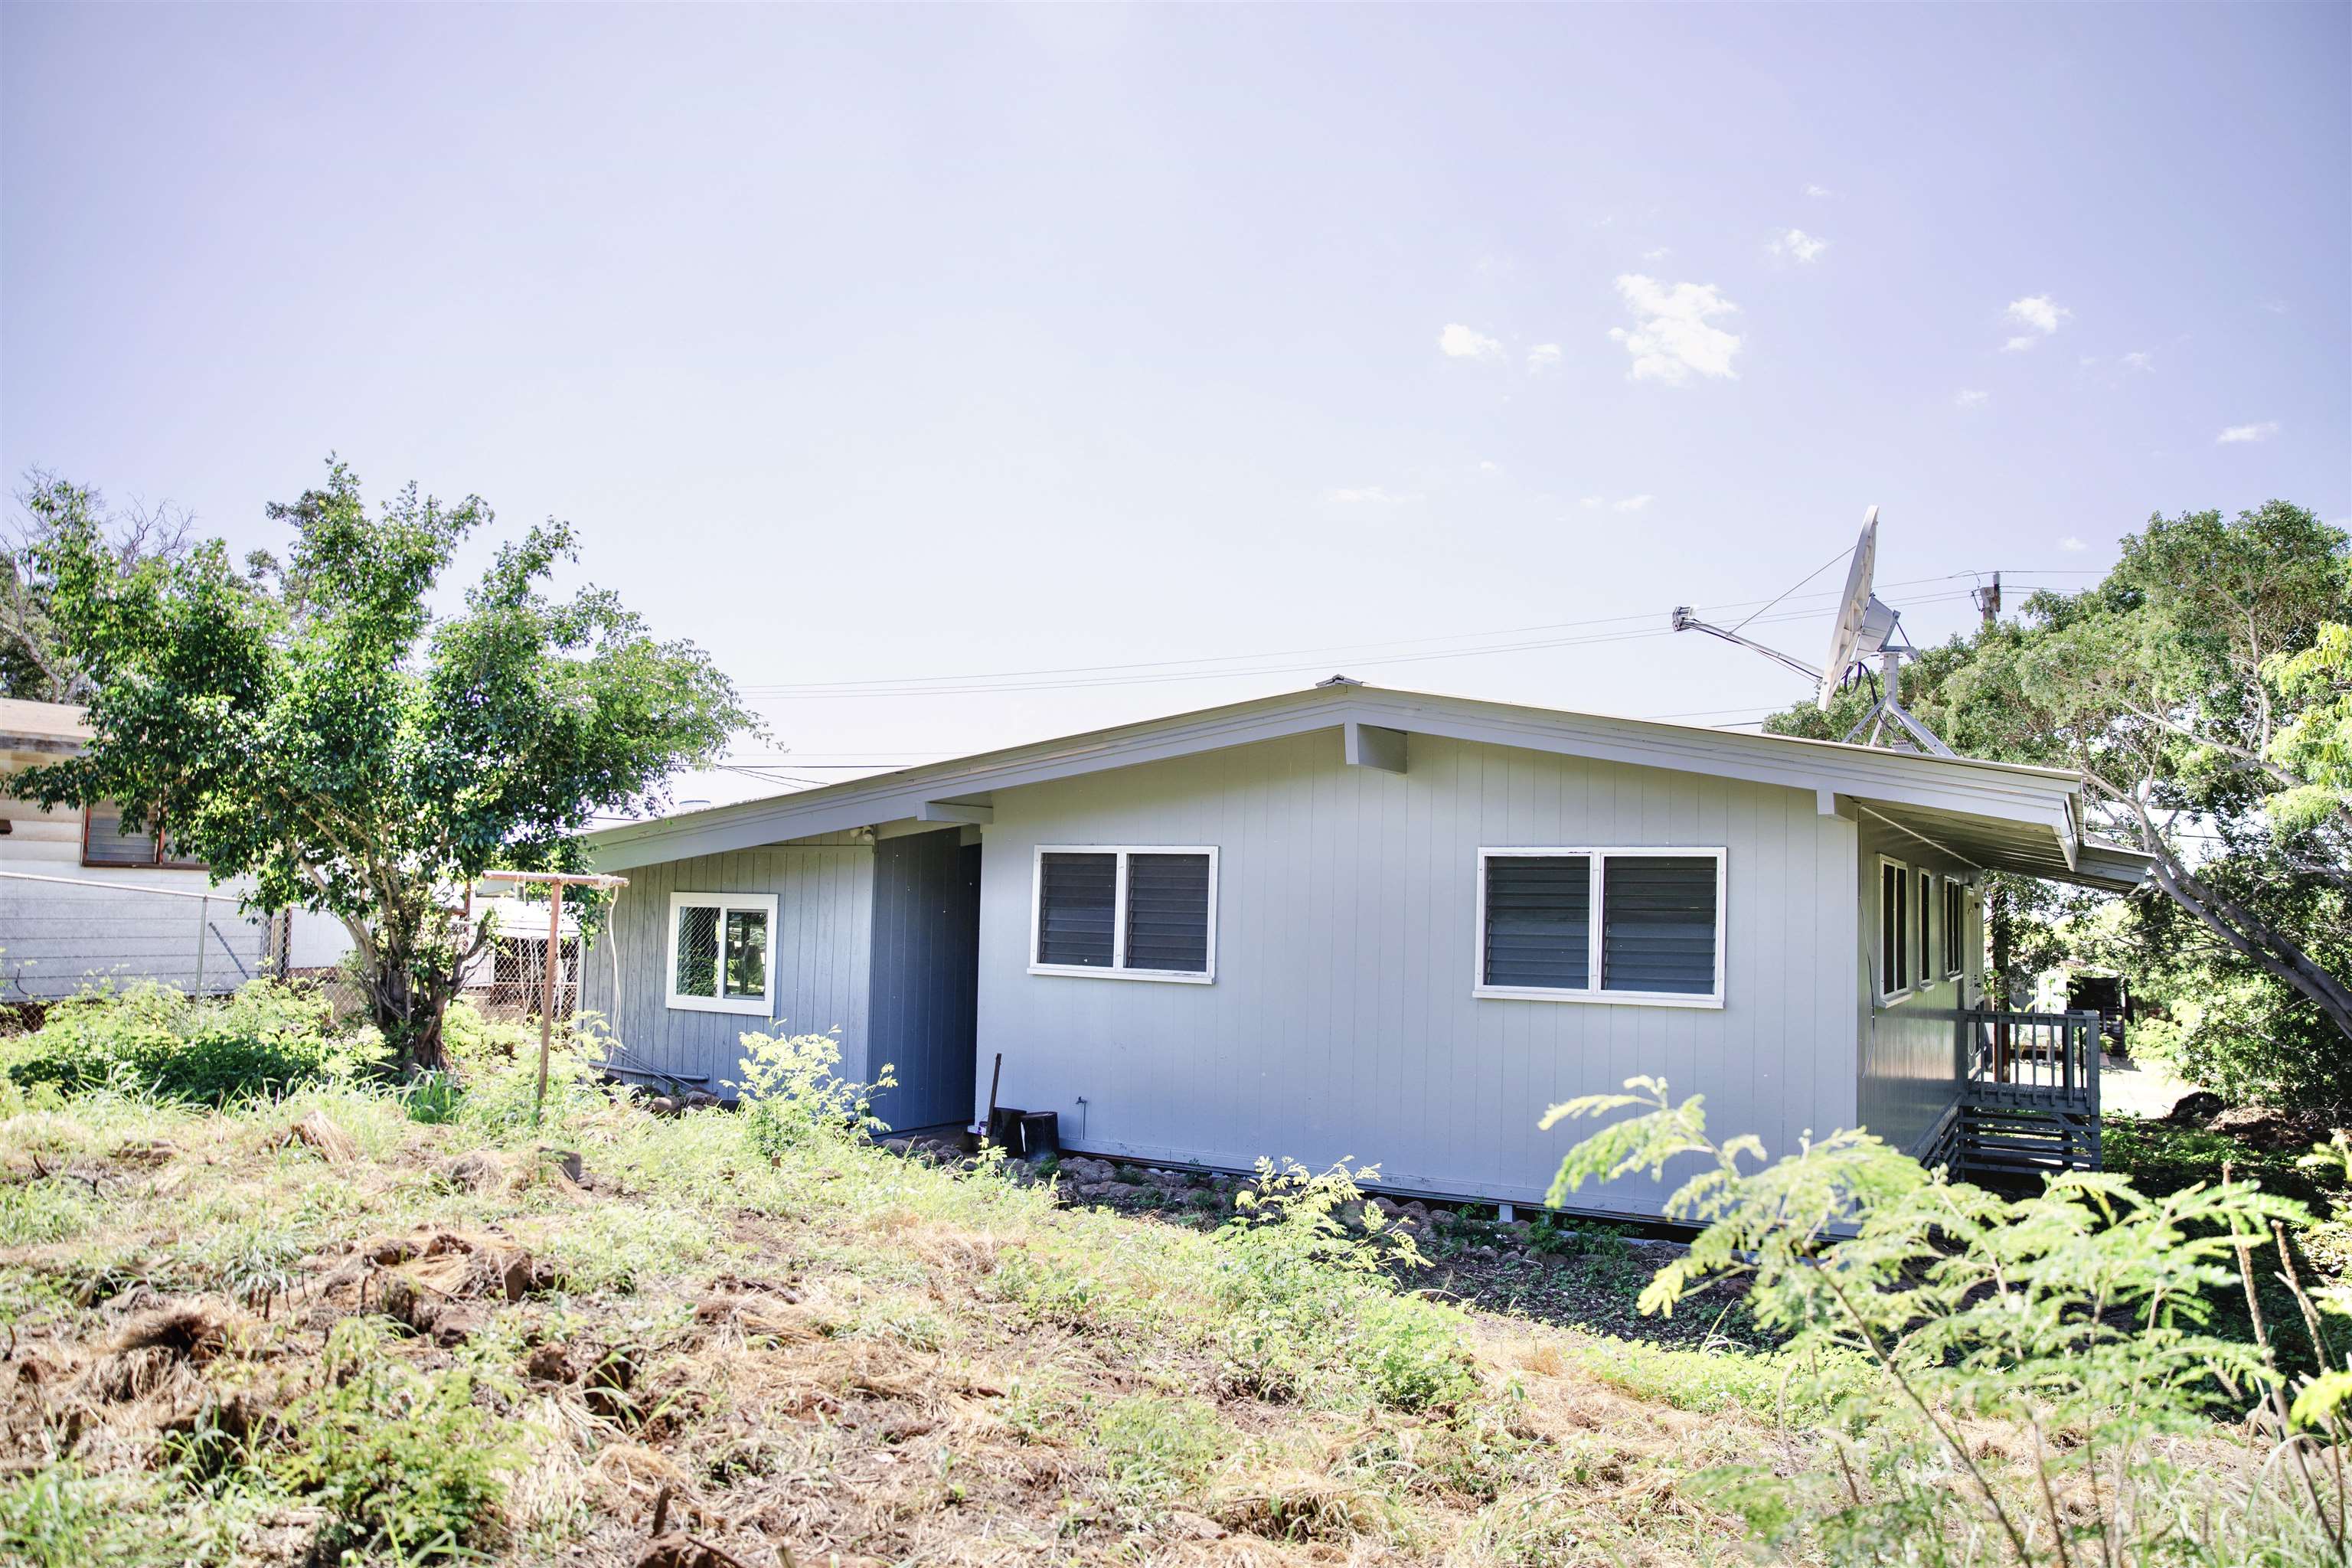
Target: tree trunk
x,y
409,1009
2257,940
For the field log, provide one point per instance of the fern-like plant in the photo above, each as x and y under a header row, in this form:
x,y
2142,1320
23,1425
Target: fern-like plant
x,y
2045,1395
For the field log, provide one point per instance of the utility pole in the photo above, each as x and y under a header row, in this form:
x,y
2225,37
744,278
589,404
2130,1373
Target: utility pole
x,y
556,882
1988,597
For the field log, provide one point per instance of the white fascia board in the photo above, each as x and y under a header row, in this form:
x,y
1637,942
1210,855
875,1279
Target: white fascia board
x,y
1971,788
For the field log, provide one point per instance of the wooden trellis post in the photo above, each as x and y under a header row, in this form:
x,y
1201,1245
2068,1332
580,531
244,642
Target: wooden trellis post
x,y
556,882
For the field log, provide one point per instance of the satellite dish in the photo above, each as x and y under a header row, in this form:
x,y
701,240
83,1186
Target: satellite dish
x,y
1853,610
1867,628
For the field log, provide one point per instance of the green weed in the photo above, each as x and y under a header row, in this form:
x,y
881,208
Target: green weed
x,y
1155,1448
399,1457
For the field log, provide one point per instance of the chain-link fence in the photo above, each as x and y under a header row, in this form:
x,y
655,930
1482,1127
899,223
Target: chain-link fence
x,y
60,935
507,980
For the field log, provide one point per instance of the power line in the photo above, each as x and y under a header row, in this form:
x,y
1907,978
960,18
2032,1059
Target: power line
x,y
1362,652
936,686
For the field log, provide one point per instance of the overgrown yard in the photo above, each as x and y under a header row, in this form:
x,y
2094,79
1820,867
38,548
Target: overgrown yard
x,y
387,1325
229,1339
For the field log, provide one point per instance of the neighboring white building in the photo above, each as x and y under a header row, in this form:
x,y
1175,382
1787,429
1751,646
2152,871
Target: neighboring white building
x,y
113,905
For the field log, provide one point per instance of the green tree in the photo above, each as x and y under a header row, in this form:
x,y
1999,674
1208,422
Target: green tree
x,y
2192,691
317,728
2315,748
35,664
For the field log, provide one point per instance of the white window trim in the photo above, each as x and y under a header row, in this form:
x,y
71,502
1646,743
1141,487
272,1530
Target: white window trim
x,y
1927,965
1117,970
763,1006
1956,940
1593,995
1903,871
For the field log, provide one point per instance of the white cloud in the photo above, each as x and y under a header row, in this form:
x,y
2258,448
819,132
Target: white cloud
x,y
1458,342
1674,335
2275,307
1589,501
2072,543
1490,467
2138,361
1658,254
1367,495
2237,434
1543,357
1819,191
1797,243
1634,503
2040,314
1969,397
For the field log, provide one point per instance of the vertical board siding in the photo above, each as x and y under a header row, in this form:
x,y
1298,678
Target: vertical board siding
x,y
1908,1071
823,889
926,936
1341,1023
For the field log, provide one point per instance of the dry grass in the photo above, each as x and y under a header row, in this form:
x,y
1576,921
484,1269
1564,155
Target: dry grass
x,y
832,1356
848,1355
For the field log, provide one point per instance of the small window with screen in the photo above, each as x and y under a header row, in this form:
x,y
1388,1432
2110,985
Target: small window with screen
x,y
722,947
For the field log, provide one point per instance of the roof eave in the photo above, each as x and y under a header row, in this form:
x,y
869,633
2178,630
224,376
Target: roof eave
x,y
1993,789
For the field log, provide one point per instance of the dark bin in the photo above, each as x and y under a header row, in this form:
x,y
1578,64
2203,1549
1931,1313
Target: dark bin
x,y
1041,1133
1004,1128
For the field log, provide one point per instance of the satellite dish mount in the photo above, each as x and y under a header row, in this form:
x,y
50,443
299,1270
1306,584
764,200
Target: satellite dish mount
x,y
1867,628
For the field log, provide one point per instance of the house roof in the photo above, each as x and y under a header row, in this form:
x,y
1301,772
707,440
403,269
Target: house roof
x,y
1995,815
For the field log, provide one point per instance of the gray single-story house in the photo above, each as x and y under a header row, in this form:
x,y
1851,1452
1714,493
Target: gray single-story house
x,y
1357,922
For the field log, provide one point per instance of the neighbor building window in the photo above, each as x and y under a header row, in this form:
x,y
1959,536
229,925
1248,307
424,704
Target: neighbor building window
x,y
1956,928
722,950
105,842
1642,926
1894,929
1141,912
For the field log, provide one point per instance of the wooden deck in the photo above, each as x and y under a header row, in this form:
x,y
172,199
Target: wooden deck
x,y
2029,1095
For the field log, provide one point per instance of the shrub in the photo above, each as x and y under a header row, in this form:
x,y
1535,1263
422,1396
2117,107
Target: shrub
x,y
2159,1157
793,1093
1303,1292
2069,1322
398,1458
495,1085
266,1039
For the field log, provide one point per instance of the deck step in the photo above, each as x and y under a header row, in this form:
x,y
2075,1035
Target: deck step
x,y
2011,1140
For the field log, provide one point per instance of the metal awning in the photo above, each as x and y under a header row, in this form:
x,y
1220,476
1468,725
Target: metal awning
x,y
2055,850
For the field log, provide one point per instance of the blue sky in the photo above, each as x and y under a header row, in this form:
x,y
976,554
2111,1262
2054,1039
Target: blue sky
x,y
881,345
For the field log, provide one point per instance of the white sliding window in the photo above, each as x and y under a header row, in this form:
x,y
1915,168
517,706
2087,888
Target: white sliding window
x,y
723,951
1125,912
1643,927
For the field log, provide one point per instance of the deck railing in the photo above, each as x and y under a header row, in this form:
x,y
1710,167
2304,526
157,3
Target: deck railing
x,y
2031,1059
